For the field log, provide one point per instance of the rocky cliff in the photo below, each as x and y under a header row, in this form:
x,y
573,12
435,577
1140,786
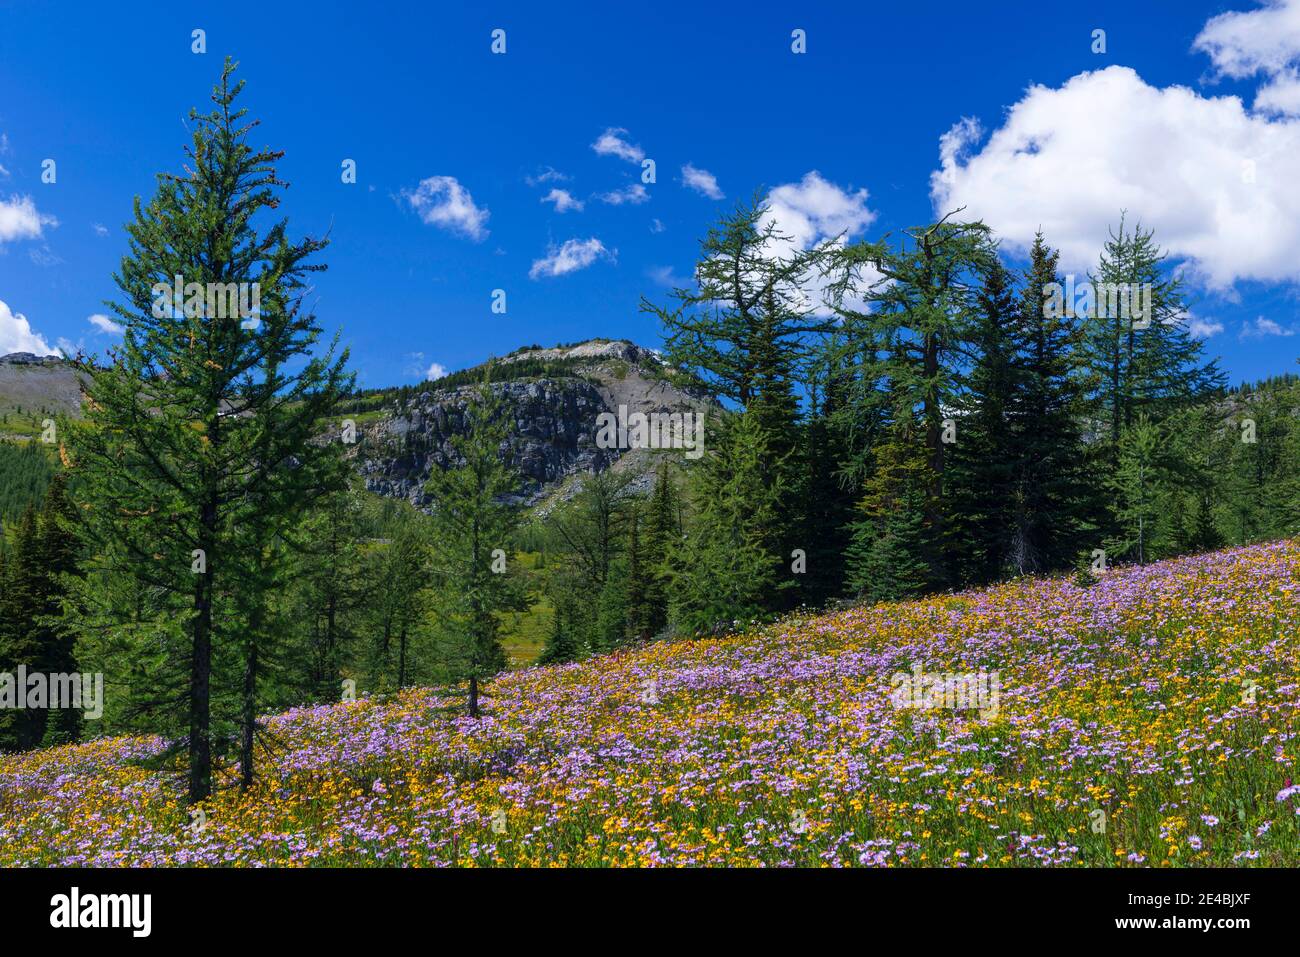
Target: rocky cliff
x,y
555,402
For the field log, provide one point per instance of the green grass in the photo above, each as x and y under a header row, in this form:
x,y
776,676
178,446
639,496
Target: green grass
x,y
523,634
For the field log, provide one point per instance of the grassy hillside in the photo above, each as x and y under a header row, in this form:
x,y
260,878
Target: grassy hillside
x,y
524,634
1164,697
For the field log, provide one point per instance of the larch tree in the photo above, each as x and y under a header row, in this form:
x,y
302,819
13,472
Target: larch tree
x,y
200,438
918,302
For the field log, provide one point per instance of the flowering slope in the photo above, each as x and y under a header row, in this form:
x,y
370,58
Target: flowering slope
x,y
1148,720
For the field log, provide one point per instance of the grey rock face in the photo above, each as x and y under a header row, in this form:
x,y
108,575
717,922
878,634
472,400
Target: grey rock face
x,y
553,435
555,421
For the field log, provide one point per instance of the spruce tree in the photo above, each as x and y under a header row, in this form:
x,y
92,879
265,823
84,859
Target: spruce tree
x,y
332,591
726,572
611,609
560,644
639,611
473,525
823,486
885,560
399,574
1138,484
1149,364
744,334
21,601
1055,496
984,457
741,330
663,541
57,639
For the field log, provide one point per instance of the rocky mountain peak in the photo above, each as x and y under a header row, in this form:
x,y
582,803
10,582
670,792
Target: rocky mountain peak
x,y
556,401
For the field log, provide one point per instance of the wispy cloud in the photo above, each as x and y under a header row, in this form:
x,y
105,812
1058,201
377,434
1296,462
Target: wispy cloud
x,y
701,180
105,324
1262,328
633,195
43,256
664,276
1200,328
548,175
563,200
573,255
613,142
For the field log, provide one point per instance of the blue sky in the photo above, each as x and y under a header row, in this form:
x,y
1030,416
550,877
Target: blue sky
x,y
1189,122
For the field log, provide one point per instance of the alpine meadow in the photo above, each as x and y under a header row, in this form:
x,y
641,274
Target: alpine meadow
x,y
467,481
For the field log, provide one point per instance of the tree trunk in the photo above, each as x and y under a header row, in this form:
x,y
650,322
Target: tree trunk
x,y
249,717
401,660
473,696
200,745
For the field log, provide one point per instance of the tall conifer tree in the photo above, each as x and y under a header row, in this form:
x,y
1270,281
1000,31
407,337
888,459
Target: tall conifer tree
x,y
195,431
474,524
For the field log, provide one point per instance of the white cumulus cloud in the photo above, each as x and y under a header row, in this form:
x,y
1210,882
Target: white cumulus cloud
x,y
19,219
17,335
442,201
813,211
1264,41
435,371
573,255
701,180
1214,180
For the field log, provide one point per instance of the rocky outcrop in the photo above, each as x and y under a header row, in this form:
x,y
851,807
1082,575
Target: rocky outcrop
x,y
553,436
28,359
550,437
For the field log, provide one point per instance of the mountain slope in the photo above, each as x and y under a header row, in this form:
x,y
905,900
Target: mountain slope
x,y
554,396
1147,720
33,388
